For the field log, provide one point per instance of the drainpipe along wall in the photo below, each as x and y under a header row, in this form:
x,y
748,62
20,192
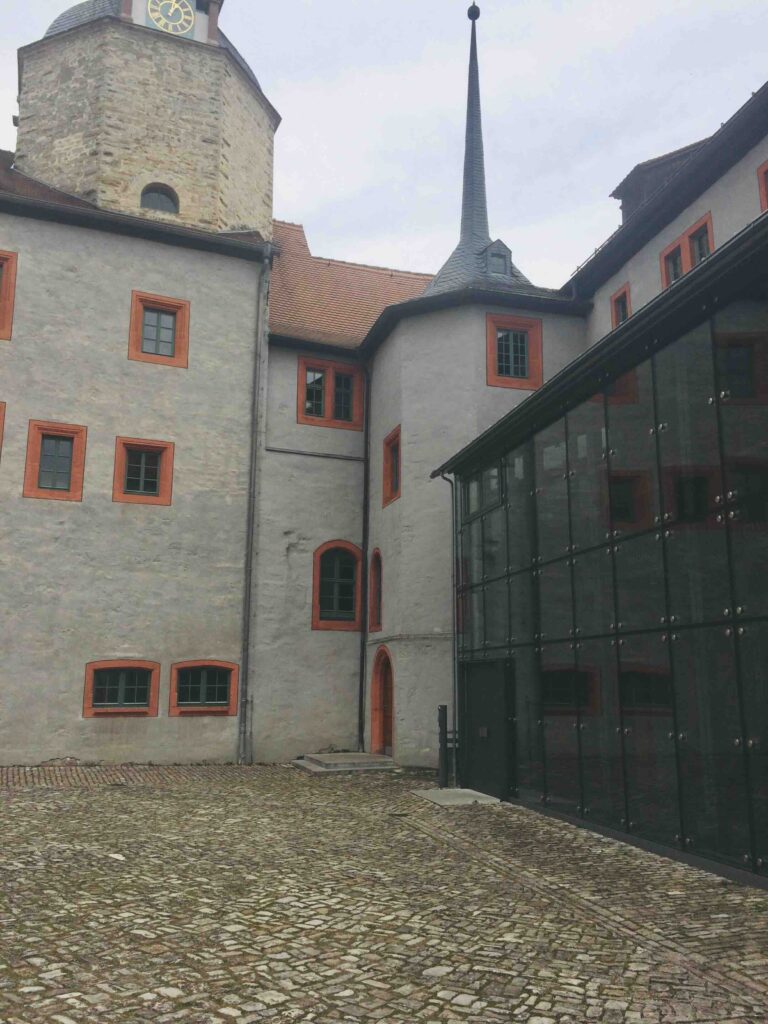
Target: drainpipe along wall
x,y
364,573
245,727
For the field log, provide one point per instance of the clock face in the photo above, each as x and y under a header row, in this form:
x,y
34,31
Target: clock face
x,y
174,16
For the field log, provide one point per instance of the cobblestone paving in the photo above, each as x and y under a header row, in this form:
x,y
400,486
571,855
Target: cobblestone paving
x,y
212,895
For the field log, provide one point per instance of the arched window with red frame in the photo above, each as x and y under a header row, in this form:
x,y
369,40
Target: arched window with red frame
x,y
336,587
375,595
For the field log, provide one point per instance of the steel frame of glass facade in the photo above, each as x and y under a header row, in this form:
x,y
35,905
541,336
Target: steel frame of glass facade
x,y
613,598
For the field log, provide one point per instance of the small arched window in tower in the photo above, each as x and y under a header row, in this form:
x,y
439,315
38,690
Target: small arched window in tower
x,y
160,197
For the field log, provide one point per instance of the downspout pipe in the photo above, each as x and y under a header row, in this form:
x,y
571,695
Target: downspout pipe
x,y
455,606
244,736
364,578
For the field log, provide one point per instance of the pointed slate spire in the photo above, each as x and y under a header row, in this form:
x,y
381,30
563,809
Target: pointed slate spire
x,y
476,260
474,211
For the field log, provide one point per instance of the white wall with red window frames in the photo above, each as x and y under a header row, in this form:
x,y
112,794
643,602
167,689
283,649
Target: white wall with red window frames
x,y
92,580
734,202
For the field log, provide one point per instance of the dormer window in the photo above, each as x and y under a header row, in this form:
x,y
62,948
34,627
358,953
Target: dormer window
x,y
498,263
161,198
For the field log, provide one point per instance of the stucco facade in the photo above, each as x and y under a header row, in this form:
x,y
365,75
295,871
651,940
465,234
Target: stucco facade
x,y
97,579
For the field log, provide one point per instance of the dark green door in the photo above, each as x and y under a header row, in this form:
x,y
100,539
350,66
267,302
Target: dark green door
x,y
487,727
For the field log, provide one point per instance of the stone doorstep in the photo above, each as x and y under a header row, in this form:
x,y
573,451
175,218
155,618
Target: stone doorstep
x,y
322,764
455,797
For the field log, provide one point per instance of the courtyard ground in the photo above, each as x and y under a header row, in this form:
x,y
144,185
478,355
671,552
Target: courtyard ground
x,y
210,895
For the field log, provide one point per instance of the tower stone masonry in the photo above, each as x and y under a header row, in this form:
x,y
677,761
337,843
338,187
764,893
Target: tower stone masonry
x,y
108,107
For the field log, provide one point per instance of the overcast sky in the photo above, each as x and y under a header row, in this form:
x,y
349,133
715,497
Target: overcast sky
x,y
372,94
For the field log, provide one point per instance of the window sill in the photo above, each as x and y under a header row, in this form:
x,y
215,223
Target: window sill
x,y
122,712
217,712
316,421
336,626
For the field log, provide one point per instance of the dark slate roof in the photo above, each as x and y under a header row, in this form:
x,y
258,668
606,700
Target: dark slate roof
x,y
91,10
469,266
82,13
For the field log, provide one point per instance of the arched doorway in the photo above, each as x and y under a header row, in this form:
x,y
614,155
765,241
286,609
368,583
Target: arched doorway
x,y
382,704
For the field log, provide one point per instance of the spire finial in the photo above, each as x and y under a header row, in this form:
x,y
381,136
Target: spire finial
x,y
473,13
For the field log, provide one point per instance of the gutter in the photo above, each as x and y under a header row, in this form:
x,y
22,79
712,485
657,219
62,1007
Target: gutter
x,y
245,719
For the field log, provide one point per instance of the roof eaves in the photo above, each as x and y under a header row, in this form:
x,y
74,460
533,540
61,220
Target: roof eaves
x,y
534,302
710,285
715,156
137,227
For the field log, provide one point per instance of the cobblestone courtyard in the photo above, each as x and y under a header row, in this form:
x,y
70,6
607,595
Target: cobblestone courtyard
x,y
222,894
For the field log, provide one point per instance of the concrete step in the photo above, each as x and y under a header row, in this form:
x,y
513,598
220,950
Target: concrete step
x,y
324,764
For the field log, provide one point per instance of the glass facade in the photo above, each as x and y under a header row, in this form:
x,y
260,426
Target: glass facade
x,y
613,601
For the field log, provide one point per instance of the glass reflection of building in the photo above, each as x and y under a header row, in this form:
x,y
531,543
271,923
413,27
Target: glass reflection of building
x,y
613,592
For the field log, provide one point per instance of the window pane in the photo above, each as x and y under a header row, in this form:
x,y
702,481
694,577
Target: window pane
x,y
337,585
158,333
394,466
342,397
55,472
314,403
142,472
512,354
121,687
520,507
699,246
673,263
203,686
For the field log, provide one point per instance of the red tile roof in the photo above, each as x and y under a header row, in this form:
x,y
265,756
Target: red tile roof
x,y
312,299
329,301
20,185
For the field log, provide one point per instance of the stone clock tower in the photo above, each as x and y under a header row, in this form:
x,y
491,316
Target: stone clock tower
x,y
145,107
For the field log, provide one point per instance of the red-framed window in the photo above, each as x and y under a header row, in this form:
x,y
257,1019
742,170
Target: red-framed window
x,y
124,687
645,690
514,352
143,471
8,265
687,251
621,306
204,687
55,464
392,483
762,178
329,394
159,330
337,599
566,689
375,597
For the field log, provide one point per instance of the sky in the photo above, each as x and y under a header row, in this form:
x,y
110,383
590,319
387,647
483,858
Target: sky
x,y
372,93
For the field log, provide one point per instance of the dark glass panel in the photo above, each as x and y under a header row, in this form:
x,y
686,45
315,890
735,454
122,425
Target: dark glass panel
x,y
601,751
473,620
495,543
121,687
522,602
589,478
744,419
673,264
160,197
529,726
649,738
710,745
697,567
497,614
555,602
640,596
632,452
491,486
552,492
560,689
472,495
203,686
753,654
394,467
688,430
512,354
158,333
473,552
518,467
487,727
699,246
593,592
